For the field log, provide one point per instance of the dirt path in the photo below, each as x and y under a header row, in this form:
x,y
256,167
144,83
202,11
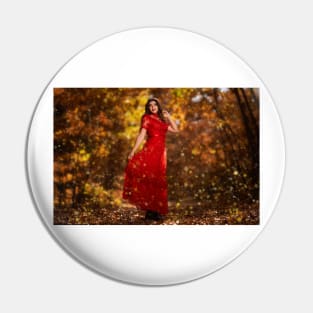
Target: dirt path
x,y
189,212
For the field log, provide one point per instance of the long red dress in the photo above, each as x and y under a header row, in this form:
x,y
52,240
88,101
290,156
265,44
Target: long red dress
x,y
145,183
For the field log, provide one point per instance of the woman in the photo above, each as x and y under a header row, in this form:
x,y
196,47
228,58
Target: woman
x,y
145,183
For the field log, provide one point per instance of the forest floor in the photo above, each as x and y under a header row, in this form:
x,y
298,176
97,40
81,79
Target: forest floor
x,y
188,213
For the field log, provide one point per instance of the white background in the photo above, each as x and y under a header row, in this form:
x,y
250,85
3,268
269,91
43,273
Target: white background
x,y
37,38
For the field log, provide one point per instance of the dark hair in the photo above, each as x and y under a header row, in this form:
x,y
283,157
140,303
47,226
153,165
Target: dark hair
x,y
147,108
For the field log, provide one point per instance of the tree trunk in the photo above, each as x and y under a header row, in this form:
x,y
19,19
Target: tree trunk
x,y
252,140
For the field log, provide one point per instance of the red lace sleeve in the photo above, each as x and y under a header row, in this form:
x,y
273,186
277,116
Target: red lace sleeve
x,y
145,122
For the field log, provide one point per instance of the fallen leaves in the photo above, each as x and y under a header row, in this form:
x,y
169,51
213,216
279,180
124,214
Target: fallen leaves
x,y
209,213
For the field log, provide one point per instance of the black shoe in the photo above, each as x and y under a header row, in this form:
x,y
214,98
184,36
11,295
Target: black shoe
x,y
157,216
149,215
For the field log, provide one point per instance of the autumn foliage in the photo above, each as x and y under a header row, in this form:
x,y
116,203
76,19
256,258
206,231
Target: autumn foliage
x,y
212,163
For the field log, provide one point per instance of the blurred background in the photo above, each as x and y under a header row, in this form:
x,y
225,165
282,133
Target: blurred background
x,y
212,163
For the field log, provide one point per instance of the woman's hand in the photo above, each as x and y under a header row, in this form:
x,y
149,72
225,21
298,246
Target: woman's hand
x,y
130,155
166,114
172,127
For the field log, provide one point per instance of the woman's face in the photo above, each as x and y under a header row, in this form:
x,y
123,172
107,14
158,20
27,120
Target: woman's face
x,y
153,107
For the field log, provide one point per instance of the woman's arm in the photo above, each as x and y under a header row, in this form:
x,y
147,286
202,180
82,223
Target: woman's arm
x,y
173,127
139,140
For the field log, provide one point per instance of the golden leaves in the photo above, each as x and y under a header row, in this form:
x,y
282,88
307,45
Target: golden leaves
x,y
208,160
195,151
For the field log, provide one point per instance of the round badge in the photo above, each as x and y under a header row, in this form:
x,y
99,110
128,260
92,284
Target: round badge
x,y
155,156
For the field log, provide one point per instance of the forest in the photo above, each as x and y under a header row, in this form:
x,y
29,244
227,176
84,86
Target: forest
x,y
212,162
